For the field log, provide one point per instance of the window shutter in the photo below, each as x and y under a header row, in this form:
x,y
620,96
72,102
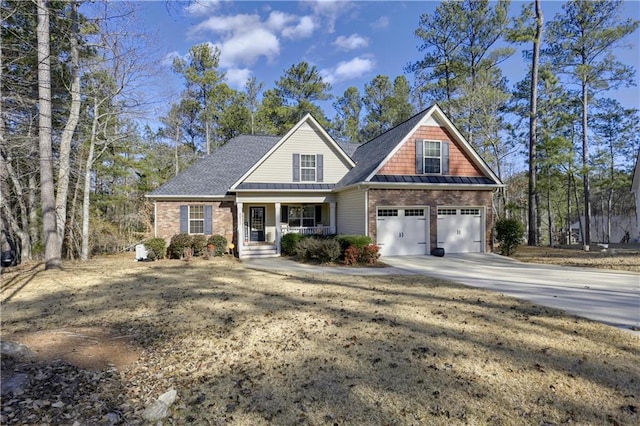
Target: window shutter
x,y
319,214
319,168
184,219
208,220
445,158
419,157
284,214
296,167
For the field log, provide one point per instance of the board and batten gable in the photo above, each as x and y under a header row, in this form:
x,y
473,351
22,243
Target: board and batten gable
x,y
278,166
403,162
351,216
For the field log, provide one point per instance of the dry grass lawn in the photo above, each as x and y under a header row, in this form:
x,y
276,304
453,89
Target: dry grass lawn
x,y
247,347
624,257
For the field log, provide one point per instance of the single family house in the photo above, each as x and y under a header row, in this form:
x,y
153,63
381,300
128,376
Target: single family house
x,y
418,186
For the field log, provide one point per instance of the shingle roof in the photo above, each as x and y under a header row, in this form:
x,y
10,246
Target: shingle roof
x,y
214,174
348,148
369,155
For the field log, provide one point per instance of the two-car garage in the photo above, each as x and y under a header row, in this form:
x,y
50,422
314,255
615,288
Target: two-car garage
x,y
405,230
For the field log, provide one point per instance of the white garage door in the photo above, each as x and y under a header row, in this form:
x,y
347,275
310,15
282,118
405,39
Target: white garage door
x,y
402,230
460,229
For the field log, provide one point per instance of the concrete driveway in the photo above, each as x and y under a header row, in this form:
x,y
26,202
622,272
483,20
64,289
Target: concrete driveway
x,y
610,297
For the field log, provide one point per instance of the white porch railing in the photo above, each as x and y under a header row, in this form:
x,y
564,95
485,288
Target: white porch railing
x,y
307,230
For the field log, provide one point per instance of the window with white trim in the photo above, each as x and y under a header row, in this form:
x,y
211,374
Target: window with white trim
x,y
196,219
432,157
307,168
302,216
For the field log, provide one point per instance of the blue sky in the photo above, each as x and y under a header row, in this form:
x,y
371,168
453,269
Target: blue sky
x,y
349,42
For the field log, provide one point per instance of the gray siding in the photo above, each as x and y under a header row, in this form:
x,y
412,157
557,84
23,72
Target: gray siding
x,y
351,215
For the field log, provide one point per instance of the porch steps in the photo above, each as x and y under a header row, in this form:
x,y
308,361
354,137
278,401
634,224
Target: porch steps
x,y
264,250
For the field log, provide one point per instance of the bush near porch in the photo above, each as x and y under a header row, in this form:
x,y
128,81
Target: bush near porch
x,y
349,249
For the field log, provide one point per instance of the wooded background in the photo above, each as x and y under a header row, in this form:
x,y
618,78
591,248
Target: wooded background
x,y
78,153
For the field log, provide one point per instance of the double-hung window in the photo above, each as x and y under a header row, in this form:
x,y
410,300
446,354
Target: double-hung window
x,y
432,151
196,219
302,216
307,168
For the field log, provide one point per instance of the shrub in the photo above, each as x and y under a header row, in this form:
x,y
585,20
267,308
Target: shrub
x,y
351,255
367,255
289,242
306,248
219,244
325,250
177,245
370,254
509,233
329,250
199,244
359,241
156,248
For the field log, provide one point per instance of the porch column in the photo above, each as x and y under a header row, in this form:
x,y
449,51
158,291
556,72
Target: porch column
x,y
332,217
278,230
240,230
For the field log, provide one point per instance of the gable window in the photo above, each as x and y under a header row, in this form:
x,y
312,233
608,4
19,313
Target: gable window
x,y
307,168
432,157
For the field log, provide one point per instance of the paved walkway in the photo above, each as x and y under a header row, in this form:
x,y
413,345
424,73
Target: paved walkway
x,y
610,297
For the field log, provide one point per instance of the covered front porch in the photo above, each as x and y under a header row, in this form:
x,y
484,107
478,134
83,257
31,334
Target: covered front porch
x,y
262,221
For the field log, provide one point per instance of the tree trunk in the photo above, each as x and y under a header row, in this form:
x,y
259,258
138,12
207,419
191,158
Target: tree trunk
x,y
534,211
86,193
47,189
86,199
585,170
64,160
549,212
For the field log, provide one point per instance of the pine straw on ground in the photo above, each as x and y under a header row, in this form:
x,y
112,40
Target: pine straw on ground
x,y
248,347
623,257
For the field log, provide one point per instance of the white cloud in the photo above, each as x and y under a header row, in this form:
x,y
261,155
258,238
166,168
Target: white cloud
x,y
201,7
381,23
227,25
244,38
354,41
304,29
329,10
279,20
245,48
237,77
348,70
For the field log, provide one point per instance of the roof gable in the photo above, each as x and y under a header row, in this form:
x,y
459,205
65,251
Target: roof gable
x,y
373,155
306,137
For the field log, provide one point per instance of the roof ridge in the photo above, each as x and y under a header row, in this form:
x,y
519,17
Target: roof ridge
x,y
424,111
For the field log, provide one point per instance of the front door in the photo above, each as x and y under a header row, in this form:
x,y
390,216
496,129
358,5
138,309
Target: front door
x,y
256,223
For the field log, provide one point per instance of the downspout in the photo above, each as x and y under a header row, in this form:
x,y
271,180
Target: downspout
x,y
366,211
155,218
